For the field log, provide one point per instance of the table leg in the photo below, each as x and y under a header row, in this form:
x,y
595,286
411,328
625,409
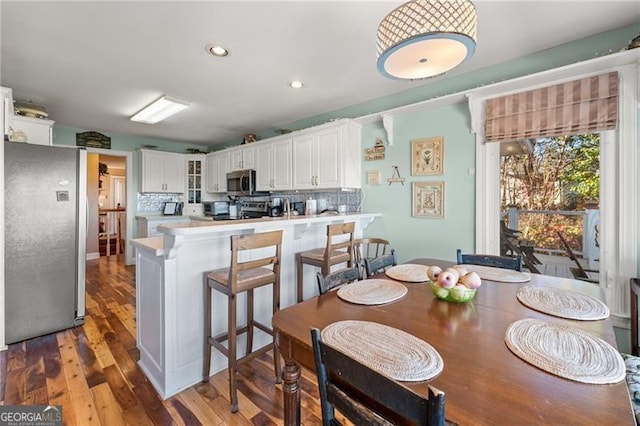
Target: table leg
x,y
291,389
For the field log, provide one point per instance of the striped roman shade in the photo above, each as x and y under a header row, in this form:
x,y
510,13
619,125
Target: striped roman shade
x,y
580,106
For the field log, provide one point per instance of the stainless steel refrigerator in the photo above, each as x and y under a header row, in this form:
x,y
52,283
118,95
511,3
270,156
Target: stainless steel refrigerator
x,y
45,239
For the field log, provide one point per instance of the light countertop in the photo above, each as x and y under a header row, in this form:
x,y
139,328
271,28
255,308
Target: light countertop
x,y
200,227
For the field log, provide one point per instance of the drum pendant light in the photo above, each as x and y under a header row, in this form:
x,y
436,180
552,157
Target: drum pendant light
x,y
425,38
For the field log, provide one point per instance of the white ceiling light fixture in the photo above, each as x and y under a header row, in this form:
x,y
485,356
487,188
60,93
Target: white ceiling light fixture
x,y
296,84
425,38
160,109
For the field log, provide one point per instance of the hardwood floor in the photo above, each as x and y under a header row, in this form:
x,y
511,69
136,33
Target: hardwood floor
x,y
92,371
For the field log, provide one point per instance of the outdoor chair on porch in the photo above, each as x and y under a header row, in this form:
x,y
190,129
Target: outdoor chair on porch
x,y
578,272
512,244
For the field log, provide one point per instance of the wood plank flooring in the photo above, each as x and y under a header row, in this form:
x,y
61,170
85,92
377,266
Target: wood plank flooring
x,y
92,371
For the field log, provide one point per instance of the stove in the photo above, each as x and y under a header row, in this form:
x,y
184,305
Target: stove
x,y
254,209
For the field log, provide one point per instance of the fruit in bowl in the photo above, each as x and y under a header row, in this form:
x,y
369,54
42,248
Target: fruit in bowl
x,y
456,289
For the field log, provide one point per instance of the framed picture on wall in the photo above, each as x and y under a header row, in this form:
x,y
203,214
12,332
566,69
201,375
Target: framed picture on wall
x,y
427,156
428,199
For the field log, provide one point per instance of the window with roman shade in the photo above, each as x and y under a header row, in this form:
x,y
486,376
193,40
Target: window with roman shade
x,y
586,105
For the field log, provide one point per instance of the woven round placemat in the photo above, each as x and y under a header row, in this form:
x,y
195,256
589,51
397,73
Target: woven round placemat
x,y
372,292
498,274
563,303
408,272
565,351
390,351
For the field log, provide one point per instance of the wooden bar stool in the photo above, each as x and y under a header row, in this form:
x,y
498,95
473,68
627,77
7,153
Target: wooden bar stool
x,y
243,277
333,253
368,248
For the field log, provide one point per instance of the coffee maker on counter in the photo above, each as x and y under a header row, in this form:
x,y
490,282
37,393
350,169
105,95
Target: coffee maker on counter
x,y
275,207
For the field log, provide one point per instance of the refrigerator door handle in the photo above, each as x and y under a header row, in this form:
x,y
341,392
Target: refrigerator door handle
x,y
83,225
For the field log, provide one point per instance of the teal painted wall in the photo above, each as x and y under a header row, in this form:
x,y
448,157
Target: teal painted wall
x,y
415,236
569,53
67,136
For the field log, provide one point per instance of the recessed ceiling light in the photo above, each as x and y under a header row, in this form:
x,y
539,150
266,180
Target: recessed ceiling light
x,y
296,84
217,50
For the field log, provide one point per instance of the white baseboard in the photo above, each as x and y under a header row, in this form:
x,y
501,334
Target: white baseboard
x,y
91,256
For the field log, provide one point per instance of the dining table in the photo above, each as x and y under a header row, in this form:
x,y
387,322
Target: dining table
x,y
484,382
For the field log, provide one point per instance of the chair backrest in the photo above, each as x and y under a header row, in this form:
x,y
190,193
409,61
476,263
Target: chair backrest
x,y
368,248
365,396
336,243
337,278
261,240
634,293
504,262
380,263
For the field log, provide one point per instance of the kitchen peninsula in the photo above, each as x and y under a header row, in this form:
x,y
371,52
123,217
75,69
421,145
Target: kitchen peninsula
x,y
170,290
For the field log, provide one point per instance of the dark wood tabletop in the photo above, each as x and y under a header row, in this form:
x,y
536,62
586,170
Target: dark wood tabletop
x,y
484,382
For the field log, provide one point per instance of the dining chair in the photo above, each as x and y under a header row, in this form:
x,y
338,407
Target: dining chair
x,y
260,267
503,262
366,397
578,272
337,278
632,361
380,263
338,249
369,248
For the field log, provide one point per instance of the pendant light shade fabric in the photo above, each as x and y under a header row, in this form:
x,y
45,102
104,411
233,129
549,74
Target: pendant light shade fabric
x,y
425,38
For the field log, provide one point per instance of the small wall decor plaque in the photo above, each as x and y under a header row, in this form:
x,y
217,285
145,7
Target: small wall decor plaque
x,y
428,199
375,153
395,177
93,140
373,177
427,156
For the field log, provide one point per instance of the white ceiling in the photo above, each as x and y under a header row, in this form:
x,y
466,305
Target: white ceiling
x,y
93,64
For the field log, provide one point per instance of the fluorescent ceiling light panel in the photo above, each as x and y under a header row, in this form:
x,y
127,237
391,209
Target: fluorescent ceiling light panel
x,y
159,110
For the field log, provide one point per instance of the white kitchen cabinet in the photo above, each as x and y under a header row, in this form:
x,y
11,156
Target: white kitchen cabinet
x,y
195,178
161,172
243,158
216,171
38,131
274,162
327,157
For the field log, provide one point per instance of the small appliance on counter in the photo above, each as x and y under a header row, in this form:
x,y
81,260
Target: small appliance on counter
x,y
233,211
217,210
275,207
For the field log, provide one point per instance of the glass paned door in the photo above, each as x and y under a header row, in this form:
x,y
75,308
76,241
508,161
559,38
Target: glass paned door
x,y
194,181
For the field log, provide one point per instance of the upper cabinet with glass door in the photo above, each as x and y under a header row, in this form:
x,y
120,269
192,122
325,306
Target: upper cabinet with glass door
x,y
195,178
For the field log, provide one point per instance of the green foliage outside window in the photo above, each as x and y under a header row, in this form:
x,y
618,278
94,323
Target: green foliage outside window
x,y
561,173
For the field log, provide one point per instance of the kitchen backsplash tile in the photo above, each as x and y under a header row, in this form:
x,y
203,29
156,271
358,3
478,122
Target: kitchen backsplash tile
x,y
326,200
154,203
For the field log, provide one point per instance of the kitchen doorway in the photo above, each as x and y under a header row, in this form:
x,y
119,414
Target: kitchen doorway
x,y
109,194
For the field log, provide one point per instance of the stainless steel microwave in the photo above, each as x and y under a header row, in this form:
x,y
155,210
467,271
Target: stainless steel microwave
x,y
241,182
